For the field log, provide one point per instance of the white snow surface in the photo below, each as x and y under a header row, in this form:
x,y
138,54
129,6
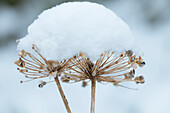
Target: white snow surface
x,y
67,29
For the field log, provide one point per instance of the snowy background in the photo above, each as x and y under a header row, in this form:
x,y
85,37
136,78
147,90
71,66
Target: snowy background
x,y
150,23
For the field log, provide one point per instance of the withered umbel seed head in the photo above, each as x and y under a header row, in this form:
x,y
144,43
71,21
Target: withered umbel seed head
x,y
107,68
35,67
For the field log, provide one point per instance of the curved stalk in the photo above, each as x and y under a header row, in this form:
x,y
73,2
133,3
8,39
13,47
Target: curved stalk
x,y
62,95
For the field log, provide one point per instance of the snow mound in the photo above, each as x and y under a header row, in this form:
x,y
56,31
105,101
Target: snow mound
x,y
67,29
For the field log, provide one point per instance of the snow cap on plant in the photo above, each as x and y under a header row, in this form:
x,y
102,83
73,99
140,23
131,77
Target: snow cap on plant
x,y
69,28
87,35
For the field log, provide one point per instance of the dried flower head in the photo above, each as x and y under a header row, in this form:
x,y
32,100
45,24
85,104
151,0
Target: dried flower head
x,y
38,67
108,68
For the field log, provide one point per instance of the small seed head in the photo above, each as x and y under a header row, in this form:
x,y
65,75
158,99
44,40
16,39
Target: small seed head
x,y
42,84
142,64
84,84
129,53
139,79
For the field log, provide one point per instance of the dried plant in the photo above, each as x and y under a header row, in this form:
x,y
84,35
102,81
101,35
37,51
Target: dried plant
x,y
36,68
108,68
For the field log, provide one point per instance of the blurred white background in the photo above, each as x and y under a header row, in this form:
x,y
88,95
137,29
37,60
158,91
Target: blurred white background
x,y
150,23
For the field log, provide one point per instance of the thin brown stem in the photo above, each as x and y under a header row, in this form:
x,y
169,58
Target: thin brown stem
x,y
62,95
93,88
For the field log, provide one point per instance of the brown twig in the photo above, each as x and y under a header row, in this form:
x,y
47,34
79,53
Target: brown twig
x,y
62,94
93,88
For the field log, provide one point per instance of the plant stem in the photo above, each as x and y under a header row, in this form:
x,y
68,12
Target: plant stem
x,y
62,94
93,87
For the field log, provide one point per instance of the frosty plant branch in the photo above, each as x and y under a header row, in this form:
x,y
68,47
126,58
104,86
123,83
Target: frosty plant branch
x,y
36,68
108,68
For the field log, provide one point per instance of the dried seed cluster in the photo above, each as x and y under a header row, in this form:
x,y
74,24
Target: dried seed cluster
x,y
107,68
35,68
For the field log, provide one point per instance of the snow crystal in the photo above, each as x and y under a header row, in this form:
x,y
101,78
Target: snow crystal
x,y
67,29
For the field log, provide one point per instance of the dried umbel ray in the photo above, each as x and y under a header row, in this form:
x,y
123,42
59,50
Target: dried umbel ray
x,y
36,68
108,68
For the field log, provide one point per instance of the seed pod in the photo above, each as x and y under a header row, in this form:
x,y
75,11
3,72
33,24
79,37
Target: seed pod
x,y
132,73
142,64
84,84
139,79
42,83
132,58
129,53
